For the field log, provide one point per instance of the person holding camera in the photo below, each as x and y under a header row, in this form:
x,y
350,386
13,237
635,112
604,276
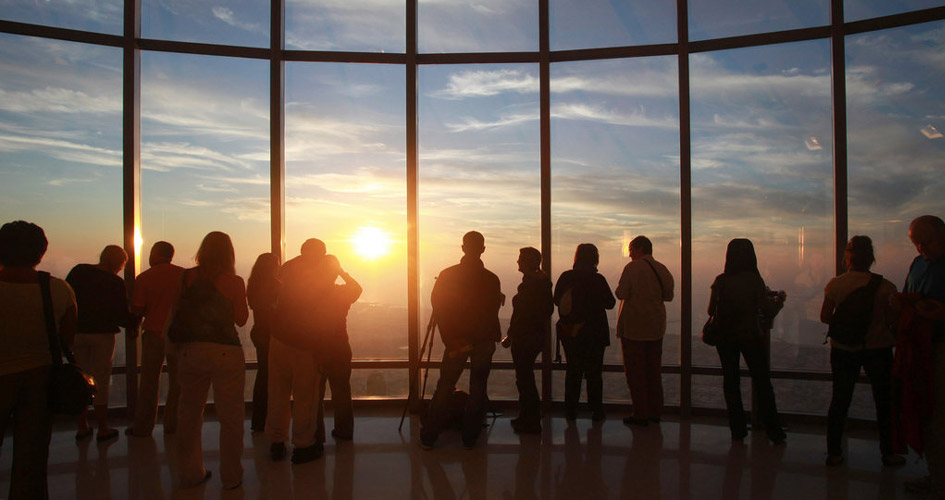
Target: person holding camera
x,y
532,306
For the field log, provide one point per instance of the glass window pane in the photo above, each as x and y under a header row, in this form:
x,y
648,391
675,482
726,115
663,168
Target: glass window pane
x,y
205,156
483,26
60,145
895,127
581,24
235,22
479,170
101,16
855,10
615,170
723,18
762,170
346,185
349,25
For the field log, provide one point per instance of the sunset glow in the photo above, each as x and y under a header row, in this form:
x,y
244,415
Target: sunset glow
x,y
371,243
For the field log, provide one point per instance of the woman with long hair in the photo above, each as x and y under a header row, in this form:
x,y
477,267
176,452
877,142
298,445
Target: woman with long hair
x,y
25,358
741,302
872,350
262,291
212,303
583,297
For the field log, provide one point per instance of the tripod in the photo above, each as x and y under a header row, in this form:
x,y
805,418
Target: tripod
x,y
425,347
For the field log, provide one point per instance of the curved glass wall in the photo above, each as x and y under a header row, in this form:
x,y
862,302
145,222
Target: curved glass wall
x,y
737,142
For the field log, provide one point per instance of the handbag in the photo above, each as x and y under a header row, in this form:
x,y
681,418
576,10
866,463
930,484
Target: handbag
x,y
712,331
70,389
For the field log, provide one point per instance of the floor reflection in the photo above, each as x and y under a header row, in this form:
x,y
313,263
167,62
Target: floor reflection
x,y
569,460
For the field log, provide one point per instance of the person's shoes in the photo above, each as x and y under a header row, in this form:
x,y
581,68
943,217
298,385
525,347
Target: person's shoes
x,y
108,435
343,437
642,422
739,436
83,434
307,454
834,460
277,451
598,415
778,437
893,460
427,442
918,485
527,427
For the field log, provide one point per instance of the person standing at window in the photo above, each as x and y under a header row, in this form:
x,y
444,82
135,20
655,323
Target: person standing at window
x,y
874,354
212,303
583,297
532,306
24,354
741,299
154,293
644,286
262,292
102,301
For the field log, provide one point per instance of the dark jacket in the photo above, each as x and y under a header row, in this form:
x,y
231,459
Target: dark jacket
x,y
466,299
101,300
531,308
591,297
742,300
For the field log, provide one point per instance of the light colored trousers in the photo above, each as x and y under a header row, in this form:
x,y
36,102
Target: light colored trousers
x,y
94,353
200,365
153,351
293,375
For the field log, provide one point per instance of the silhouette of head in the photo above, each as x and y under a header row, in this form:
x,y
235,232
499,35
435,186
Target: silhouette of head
x,y
113,258
927,233
640,246
22,244
313,248
529,259
858,256
586,257
474,243
215,255
266,266
162,252
740,257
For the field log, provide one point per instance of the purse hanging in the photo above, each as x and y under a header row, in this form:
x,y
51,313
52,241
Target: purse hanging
x,y
70,390
712,331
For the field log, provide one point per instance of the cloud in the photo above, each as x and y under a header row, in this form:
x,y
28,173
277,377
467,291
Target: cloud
x,y
226,15
57,100
480,83
64,150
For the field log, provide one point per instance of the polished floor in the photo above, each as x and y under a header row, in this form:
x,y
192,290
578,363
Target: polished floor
x,y
692,459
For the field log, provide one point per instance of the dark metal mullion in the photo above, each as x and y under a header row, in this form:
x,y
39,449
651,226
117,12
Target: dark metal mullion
x,y
685,212
839,90
545,165
413,206
65,34
277,129
131,172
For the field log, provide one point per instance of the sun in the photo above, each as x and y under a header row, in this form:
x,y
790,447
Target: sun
x,y
371,243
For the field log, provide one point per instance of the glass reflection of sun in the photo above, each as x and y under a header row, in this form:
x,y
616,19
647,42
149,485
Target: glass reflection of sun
x,y
371,243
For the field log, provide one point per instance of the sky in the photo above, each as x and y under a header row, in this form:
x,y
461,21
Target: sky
x,y
762,138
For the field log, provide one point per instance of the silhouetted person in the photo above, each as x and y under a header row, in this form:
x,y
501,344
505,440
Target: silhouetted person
x,y
212,304
102,302
466,299
738,295
25,356
154,294
334,353
532,306
583,297
875,354
924,292
262,292
641,324
293,373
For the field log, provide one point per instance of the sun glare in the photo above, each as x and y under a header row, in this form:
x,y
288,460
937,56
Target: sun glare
x,y
371,243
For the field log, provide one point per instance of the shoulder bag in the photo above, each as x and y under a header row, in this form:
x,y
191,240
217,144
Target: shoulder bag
x,y
712,331
71,390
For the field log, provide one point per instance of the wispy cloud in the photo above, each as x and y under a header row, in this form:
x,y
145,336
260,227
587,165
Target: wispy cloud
x,y
226,15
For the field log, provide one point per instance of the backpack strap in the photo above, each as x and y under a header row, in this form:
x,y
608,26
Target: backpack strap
x,y
662,290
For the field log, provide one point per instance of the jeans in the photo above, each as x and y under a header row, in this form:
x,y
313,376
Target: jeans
x,y
845,366
754,353
585,360
528,399
23,400
642,363
475,410
337,374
